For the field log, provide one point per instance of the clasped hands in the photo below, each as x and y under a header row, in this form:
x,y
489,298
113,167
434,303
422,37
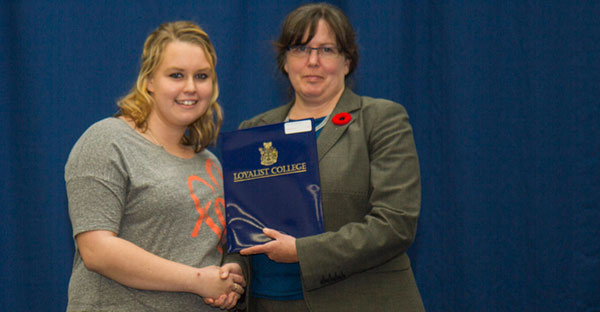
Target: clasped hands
x,y
281,249
231,275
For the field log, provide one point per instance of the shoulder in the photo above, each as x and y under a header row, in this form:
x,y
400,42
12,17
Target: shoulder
x,y
103,130
101,135
381,117
378,107
97,143
368,107
271,116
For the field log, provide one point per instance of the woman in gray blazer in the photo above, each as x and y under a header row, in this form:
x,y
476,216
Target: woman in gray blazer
x,y
369,181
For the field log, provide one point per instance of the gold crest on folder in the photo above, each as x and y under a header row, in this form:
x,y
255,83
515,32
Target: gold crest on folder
x,y
268,154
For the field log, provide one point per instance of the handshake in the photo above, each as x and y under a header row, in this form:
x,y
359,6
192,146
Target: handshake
x,y
221,287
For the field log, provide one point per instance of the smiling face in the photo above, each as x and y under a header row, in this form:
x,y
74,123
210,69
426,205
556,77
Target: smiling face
x,y
181,86
314,78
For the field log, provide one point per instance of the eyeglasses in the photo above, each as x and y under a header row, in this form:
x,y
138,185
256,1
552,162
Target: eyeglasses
x,y
302,51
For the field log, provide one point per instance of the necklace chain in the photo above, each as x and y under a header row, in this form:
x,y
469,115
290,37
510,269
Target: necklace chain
x,y
152,135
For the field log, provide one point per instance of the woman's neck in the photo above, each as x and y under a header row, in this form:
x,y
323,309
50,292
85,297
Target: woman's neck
x,y
167,138
304,108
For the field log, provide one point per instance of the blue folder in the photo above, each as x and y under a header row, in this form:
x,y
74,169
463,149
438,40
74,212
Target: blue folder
x,y
271,179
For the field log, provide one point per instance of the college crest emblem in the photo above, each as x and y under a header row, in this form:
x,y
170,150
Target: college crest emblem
x,y
268,154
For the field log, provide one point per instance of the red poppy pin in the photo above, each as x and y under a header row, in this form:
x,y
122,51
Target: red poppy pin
x,y
341,119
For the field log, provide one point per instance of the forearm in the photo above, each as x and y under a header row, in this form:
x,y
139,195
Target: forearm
x,y
134,267
354,248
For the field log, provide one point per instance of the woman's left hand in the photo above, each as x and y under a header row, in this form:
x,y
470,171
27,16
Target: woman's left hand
x,y
281,249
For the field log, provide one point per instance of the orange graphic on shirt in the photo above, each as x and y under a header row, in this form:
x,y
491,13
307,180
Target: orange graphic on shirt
x,y
219,204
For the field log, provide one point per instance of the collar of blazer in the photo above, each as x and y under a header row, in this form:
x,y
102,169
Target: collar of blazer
x,y
349,102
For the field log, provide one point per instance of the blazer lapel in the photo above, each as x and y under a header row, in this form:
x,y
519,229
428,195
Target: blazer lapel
x,y
277,115
350,103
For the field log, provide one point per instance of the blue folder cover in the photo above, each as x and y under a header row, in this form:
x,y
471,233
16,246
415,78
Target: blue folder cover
x,y
271,179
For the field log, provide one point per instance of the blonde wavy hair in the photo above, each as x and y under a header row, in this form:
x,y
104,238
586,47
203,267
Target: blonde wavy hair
x,y
138,103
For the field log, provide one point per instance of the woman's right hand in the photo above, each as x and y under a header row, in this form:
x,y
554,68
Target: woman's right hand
x,y
228,271
211,285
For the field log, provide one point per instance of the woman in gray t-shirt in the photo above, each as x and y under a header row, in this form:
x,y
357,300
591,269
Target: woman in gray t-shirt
x,y
146,196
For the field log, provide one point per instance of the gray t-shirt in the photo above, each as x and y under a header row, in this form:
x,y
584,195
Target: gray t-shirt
x,y
172,207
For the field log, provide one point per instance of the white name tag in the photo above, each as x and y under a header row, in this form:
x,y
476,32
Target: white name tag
x,y
292,127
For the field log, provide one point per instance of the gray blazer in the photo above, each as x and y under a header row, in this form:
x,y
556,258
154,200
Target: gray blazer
x,y
371,196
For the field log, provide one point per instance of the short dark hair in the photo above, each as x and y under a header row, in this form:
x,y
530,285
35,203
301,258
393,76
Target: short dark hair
x,y
307,17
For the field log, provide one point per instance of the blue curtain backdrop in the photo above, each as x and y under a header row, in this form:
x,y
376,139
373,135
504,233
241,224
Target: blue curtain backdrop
x,y
503,98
